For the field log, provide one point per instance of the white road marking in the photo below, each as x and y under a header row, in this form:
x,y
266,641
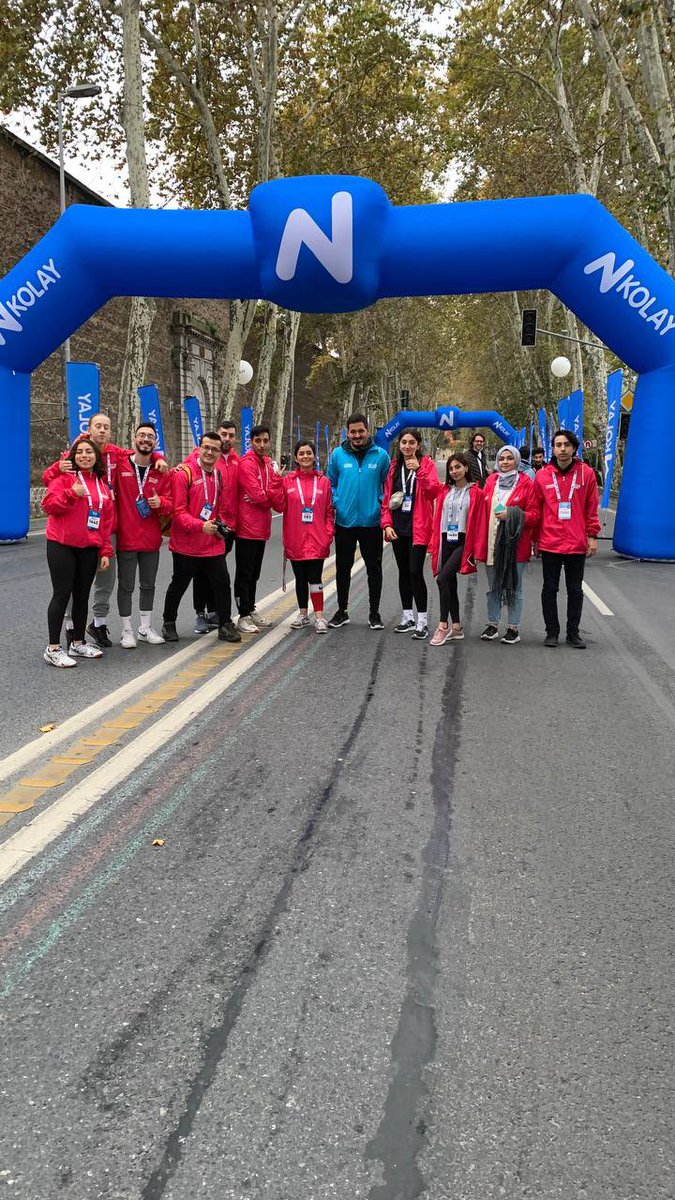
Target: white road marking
x,y
74,725
595,599
54,820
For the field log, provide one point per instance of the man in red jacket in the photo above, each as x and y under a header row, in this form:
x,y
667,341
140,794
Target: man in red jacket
x,y
260,489
206,618
566,495
203,518
142,495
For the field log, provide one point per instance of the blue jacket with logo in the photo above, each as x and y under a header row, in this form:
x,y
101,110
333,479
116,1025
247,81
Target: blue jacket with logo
x,y
358,487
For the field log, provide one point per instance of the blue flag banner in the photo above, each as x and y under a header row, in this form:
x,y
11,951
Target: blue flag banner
x,y
194,416
246,427
327,433
575,417
614,394
83,384
343,435
551,431
299,430
532,437
543,430
318,445
563,412
152,412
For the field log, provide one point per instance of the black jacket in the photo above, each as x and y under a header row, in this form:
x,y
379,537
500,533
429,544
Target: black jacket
x,y
478,472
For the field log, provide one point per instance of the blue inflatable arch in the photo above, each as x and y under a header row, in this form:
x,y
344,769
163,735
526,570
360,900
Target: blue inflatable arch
x,y
447,418
334,244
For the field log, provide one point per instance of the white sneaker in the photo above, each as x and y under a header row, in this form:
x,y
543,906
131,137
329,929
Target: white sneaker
x,y
127,640
246,625
58,658
260,622
321,625
300,622
84,650
151,637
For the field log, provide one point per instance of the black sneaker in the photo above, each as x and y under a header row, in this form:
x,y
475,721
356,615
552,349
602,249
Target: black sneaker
x,y
419,635
573,639
228,632
169,631
404,627
375,621
551,640
341,617
99,635
212,618
490,633
511,637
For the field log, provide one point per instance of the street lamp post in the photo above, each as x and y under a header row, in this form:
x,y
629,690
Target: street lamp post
x,y
79,91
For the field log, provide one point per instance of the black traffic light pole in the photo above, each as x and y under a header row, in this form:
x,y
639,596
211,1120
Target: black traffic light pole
x,y
529,331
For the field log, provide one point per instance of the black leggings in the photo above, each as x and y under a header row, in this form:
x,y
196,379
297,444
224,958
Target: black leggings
x,y
306,571
451,561
411,581
73,569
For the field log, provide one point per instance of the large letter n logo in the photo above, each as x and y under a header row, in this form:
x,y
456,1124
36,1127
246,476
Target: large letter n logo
x,y
336,253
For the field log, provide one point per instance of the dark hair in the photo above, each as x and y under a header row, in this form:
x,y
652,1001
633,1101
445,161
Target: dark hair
x,y
474,436
227,425
524,454
146,425
211,435
569,434
460,457
257,429
418,438
357,418
539,450
98,468
300,444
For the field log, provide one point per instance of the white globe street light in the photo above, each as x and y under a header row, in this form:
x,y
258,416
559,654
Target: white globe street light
x,y
245,373
560,367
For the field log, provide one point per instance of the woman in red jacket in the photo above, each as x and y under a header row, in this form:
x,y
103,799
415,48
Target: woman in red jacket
x,y
407,519
81,521
503,541
455,515
308,528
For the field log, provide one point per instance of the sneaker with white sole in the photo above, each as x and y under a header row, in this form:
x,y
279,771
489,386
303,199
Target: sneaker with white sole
x,y
258,621
489,633
246,625
58,658
339,618
84,650
420,634
321,625
202,623
151,637
127,640
511,637
457,635
300,622
440,637
404,626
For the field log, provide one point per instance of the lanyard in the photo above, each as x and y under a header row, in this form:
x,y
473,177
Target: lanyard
x,y
141,482
451,507
81,478
572,489
301,494
216,475
412,480
108,468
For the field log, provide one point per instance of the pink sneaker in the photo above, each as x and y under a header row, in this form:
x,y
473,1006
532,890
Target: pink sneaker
x,y
456,635
440,637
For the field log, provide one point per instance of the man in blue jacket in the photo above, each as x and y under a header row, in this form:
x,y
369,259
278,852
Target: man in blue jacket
x,y
358,471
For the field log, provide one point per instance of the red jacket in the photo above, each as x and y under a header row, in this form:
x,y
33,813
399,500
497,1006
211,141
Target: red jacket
x,y
187,527
228,469
566,537
111,456
426,490
523,497
468,566
135,532
307,539
68,513
260,489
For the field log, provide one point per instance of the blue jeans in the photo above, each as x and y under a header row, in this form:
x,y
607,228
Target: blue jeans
x,y
494,604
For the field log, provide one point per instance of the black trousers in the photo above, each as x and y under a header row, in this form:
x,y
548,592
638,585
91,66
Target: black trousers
x,y
306,571
451,561
249,553
553,564
369,539
202,596
211,568
72,570
411,582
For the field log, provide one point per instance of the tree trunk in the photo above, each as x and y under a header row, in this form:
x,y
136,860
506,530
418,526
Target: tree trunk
x,y
241,319
290,337
265,360
142,311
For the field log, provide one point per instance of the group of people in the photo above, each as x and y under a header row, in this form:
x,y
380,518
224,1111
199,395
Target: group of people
x,y
215,502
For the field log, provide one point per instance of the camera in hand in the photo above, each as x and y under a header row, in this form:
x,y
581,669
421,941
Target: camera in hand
x,y
225,533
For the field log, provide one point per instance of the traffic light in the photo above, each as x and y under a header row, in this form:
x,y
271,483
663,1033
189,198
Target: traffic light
x,y
624,426
528,335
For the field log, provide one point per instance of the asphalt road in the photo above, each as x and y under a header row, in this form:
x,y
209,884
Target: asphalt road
x,y
409,932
